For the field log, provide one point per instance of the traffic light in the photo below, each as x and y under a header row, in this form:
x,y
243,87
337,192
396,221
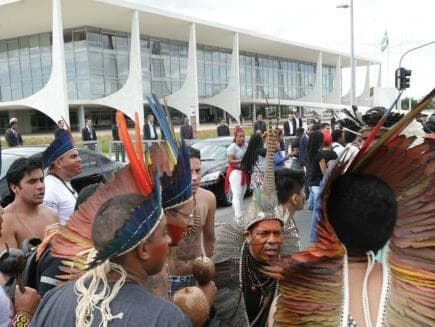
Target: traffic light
x,y
403,78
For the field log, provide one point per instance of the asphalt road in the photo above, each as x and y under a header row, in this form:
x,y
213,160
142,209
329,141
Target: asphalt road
x,y
302,220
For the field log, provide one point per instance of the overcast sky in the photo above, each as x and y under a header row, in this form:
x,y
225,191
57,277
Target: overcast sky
x,y
319,22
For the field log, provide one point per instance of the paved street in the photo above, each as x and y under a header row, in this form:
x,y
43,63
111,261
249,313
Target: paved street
x,y
302,219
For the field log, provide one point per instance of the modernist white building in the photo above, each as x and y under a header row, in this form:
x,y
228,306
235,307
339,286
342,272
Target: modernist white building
x,y
76,58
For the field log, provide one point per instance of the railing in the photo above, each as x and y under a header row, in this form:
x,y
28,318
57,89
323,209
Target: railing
x,y
117,150
91,145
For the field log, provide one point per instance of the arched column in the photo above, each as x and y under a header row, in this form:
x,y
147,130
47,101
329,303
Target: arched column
x,y
129,98
186,98
52,99
316,93
335,95
229,98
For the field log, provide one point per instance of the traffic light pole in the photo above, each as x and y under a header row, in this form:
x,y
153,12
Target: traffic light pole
x,y
399,106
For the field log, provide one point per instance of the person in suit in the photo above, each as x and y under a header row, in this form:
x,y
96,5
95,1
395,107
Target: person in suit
x,y
118,147
259,125
223,129
13,138
149,129
292,124
88,134
316,119
186,130
59,128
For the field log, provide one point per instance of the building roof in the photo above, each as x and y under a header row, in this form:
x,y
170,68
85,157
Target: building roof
x,y
25,17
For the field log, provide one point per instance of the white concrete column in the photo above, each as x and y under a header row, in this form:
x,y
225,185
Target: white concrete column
x,y
129,98
229,98
316,93
186,98
81,116
335,95
364,98
52,99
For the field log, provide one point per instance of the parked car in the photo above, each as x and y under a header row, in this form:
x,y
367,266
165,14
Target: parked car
x,y
95,167
214,165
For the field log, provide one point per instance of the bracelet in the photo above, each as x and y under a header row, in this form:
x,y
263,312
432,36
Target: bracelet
x,y
21,319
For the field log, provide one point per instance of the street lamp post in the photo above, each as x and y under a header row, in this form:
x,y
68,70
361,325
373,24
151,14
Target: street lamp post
x,y
352,53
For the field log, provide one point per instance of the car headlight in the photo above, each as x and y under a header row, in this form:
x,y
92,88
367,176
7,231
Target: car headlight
x,y
210,177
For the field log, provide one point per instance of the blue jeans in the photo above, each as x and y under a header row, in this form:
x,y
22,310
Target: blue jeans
x,y
310,199
314,197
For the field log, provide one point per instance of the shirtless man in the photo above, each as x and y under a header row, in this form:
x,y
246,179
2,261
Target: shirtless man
x,y
25,217
199,238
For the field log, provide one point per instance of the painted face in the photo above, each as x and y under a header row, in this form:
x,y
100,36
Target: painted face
x,y
31,188
240,138
195,168
179,219
71,162
158,247
265,240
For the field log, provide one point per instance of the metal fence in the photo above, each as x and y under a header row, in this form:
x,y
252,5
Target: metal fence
x,y
117,150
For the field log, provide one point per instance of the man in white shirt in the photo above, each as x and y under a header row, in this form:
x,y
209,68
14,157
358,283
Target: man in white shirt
x,y
337,141
65,163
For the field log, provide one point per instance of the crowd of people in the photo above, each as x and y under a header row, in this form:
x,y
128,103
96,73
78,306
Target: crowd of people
x,y
135,251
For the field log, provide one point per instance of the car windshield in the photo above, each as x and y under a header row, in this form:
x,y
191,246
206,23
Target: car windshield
x,y
7,161
212,151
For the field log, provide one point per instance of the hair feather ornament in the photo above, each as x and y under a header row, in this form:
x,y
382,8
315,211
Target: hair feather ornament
x,y
312,283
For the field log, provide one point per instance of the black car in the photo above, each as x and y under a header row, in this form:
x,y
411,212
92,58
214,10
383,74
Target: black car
x,y
214,165
95,167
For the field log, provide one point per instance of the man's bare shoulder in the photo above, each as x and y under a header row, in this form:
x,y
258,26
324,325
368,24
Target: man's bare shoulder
x,y
48,214
9,215
205,195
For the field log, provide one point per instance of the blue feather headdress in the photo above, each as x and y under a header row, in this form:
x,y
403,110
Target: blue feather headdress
x,y
176,186
61,145
137,229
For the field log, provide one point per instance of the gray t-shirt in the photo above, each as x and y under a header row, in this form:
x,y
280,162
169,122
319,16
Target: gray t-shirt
x,y
140,308
237,151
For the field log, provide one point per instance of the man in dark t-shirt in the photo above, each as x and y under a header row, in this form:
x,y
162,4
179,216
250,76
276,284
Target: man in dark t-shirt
x,y
154,310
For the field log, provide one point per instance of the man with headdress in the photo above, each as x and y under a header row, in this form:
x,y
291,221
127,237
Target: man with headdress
x,y
244,292
129,235
64,163
185,223
388,187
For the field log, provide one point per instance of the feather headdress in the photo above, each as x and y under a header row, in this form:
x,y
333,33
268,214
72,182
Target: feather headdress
x,y
172,159
73,242
312,281
59,147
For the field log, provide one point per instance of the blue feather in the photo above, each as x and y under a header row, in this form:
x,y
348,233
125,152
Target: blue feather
x,y
178,187
163,122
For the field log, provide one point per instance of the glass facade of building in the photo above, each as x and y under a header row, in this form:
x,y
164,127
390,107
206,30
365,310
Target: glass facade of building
x,y
276,78
97,64
214,69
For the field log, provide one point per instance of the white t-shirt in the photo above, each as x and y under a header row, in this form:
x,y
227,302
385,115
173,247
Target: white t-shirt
x,y
59,197
237,151
337,148
152,134
5,309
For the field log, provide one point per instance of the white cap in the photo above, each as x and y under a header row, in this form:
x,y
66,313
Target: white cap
x,y
13,120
